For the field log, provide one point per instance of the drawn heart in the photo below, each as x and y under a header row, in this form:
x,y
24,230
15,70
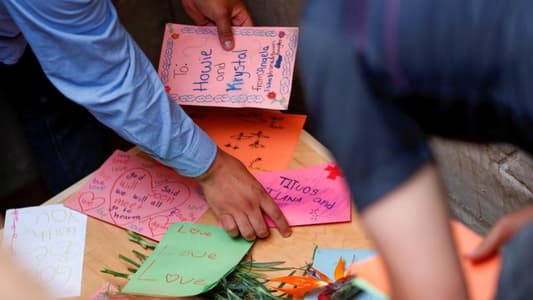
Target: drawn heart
x,y
172,277
158,225
88,202
134,196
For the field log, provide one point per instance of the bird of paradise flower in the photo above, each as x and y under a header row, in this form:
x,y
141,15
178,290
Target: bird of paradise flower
x,y
345,285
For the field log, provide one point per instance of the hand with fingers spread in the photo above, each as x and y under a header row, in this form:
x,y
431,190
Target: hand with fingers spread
x,y
503,231
222,13
239,200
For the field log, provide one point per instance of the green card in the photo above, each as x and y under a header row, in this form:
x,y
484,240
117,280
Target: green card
x,y
189,260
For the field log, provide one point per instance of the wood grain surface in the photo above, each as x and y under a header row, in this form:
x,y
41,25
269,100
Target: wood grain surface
x,y
106,241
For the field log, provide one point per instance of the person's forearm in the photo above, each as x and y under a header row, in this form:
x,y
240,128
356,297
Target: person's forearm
x,y
90,58
18,284
410,228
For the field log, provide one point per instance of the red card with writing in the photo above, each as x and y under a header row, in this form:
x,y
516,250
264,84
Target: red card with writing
x,y
140,195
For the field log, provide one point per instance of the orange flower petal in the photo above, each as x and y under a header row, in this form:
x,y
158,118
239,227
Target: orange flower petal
x,y
300,281
321,275
297,292
339,269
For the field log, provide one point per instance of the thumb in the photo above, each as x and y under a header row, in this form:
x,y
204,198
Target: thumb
x,y
225,33
497,236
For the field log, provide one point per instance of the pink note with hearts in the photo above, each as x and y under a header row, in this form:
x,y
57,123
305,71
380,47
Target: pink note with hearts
x,y
258,72
314,195
140,195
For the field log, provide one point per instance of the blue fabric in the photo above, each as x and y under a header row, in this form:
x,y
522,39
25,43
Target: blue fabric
x,y
378,86
91,59
515,281
377,145
66,140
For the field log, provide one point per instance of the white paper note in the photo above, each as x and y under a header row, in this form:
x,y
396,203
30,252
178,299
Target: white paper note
x,y
50,242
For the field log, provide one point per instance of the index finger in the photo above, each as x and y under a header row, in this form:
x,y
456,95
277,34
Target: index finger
x,y
272,210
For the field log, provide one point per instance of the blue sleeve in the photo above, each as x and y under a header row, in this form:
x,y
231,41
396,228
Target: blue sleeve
x,y
377,145
89,57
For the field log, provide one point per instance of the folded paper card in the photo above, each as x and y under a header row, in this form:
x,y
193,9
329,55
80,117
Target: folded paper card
x,y
313,195
262,140
256,73
49,241
141,195
481,278
326,260
189,260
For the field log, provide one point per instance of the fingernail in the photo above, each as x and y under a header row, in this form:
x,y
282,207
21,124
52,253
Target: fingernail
x,y
228,45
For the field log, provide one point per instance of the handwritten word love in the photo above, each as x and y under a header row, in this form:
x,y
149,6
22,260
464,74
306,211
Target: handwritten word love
x,y
193,230
169,278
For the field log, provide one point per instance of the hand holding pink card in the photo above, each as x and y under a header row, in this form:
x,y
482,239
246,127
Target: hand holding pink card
x,y
256,73
140,195
312,195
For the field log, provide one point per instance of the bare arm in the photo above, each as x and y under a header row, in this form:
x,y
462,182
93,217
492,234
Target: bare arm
x,y
410,228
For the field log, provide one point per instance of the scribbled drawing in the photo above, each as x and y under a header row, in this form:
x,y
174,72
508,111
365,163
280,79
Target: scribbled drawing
x,y
158,225
14,235
241,136
231,146
274,122
88,201
173,212
62,251
123,209
43,217
40,253
314,214
134,197
254,164
60,274
257,144
259,134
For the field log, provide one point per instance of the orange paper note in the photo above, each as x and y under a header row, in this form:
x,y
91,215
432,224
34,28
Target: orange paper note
x,y
481,278
262,140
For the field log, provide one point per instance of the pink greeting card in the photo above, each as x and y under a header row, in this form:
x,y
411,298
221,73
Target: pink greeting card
x,y
313,195
256,73
140,195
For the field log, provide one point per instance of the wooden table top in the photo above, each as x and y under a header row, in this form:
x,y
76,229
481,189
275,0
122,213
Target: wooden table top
x,y
105,241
